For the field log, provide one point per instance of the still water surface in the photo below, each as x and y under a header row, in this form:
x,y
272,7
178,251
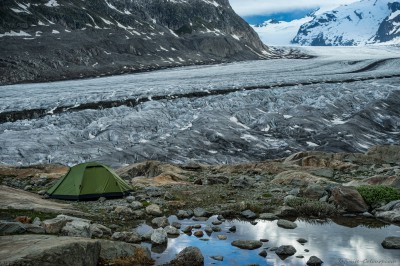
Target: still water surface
x,y
340,242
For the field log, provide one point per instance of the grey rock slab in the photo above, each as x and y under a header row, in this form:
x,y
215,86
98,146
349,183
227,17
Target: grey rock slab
x,y
159,237
160,221
247,244
286,224
248,214
391,242
116,249
11,228
126,236
77,228
154,210
48,250
171,230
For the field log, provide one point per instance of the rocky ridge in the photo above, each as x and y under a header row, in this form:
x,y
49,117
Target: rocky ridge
x,y
46,40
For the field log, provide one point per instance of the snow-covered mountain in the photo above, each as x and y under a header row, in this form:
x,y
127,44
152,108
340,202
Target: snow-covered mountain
x,y
43,40
273,32
359,23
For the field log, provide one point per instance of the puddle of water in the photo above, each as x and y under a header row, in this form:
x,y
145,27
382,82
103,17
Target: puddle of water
x,y
344,242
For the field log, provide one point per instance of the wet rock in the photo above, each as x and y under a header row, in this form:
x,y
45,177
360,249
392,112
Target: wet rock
x,y
190,256
129,237
222,237
302,240
160,221
198,234
286,250
159,237
11,228
216,222
220,217
286,224
130,199
348,199
77,228
216,228
176,225
187,229
232,229
314,261
263,253
136,205
253,222
218,258
197,226
390,212
391,243
154,210
171,230
208,229
264,240
247,244
248,214
268,216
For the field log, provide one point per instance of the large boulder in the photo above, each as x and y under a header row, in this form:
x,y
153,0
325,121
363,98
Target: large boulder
x,y
286,250
391,242
190,256
77,228
54,226
48,250
11,228
314,261
159,237
116,249
348,199
160,221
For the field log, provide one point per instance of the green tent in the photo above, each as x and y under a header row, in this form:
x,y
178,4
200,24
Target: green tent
x,y
89,181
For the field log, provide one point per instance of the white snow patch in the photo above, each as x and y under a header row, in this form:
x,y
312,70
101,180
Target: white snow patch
x,y
55,32
52,3
15,34
287,116
236,121
312,144
248,137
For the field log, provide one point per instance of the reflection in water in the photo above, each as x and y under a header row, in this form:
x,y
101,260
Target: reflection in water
x,y
334,243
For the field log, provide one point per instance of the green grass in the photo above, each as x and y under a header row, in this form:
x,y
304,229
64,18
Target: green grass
x,y
11,214
378,194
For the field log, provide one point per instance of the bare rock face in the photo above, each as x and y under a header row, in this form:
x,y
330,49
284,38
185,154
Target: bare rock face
x,y
102,38
349,199
45,250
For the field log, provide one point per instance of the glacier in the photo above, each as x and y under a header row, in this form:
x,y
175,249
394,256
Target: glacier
x,y
343,99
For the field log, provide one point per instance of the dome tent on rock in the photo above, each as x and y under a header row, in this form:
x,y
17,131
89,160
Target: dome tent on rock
x,y
89,181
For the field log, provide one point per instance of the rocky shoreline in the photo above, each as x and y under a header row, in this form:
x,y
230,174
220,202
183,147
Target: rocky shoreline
x,y
311,185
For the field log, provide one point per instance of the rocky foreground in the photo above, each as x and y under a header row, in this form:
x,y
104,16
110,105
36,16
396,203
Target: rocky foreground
x,y
314,185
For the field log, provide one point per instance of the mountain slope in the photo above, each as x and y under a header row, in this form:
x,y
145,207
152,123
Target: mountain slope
x,y
363,22
45,40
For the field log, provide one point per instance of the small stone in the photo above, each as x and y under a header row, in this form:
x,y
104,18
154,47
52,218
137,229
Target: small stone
x,y
204,239
122,210
222,237
263,253
253,222
302,240
216,229
216,222
28,188
314,261
306,250
208,229
130,199
247,244
168,196
171,230
102,199
220,217
232,229
187,229
136,205
189,256
264,240
286,224
198,234
200,212
197,226
176,225
300,257
218,258
273,249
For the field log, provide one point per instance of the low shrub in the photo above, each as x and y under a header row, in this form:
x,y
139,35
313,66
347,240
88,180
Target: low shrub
x,y
307,208
378,194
